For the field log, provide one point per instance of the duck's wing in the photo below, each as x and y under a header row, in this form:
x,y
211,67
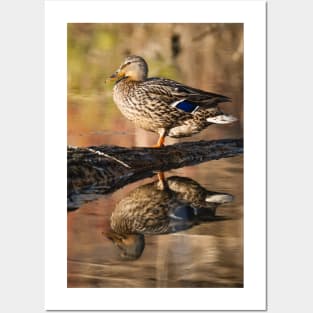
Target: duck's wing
x,y
174,93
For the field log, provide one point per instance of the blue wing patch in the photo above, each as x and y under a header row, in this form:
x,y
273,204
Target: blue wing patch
x,y
186,106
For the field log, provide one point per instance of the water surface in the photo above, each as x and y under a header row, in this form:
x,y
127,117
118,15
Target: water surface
x,y
209,254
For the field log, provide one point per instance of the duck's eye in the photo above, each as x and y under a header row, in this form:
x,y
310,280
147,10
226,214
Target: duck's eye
x,y
125,64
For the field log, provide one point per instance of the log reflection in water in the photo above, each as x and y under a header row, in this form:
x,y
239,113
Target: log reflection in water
x,y
161,207
101,170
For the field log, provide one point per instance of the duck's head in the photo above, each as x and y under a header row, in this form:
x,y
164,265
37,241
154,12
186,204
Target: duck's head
x,y
133,67
129,246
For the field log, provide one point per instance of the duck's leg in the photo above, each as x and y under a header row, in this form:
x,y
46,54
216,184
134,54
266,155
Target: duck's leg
x,y
161,177
161,140
162,182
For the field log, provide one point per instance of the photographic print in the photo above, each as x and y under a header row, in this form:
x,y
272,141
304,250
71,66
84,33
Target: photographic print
x,y
142,216
155,125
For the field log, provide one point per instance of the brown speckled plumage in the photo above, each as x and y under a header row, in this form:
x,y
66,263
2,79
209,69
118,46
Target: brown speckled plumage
x,y
161,207
157,208
163,105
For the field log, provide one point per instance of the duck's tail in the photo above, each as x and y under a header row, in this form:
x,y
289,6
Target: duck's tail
x,y
219,198
221,119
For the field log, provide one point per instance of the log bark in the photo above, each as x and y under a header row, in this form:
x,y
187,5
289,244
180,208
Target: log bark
x,y
97,170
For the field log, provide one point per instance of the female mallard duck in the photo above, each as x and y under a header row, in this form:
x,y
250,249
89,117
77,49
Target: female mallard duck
x,y
162,105
165,206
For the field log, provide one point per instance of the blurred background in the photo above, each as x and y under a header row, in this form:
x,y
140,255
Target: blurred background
x,y
205,56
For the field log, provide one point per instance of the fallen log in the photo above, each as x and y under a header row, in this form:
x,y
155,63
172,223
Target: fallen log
x,y
103,169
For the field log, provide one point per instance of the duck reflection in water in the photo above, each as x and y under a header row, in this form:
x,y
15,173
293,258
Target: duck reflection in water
x,y
162,207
